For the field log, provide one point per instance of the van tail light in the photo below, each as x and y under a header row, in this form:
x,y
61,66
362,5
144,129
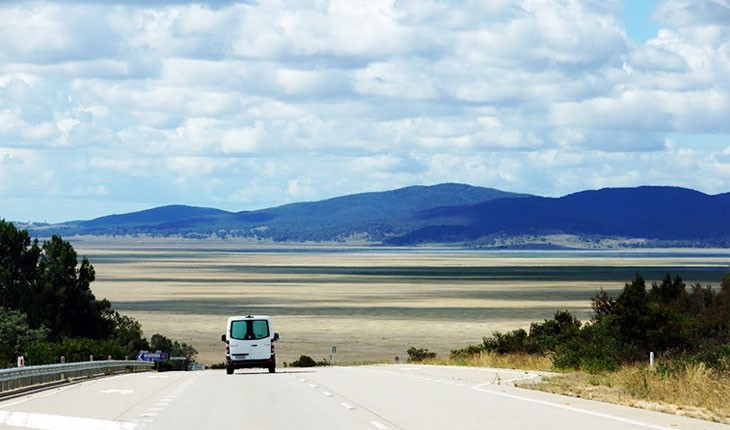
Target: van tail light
x,y
272,348
228,347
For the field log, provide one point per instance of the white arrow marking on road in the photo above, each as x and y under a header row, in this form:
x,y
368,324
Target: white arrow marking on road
x,y
58,422
114,391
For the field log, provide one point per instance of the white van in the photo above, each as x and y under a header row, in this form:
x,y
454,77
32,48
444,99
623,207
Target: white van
x,y
250,343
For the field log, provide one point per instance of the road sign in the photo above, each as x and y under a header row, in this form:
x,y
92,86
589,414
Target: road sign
x,y
153,356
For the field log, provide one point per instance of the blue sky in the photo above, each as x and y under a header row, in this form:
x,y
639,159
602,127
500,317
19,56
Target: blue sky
x,y
637,15
111,107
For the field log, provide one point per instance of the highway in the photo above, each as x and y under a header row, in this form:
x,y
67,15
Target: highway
x,y
363,397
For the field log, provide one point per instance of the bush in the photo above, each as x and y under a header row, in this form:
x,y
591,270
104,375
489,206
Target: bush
x,y
467,352
75,350
417,355
504,343
304,361
16,336
690,326
543,338
595,349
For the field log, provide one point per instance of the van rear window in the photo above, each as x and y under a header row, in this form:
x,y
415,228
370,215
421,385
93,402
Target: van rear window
x,y
249,329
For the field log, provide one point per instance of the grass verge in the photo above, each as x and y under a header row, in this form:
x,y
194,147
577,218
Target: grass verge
x,y
500,361
692,390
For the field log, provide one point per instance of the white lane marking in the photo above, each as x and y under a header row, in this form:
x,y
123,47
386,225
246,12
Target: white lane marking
x,y
58,422
158,376
114,391
154,409
148,414
379,425
570,408
348,406
328,394
14,403
312,386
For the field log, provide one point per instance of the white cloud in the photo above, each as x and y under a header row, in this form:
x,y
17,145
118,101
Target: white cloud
x,y
241,140
258,104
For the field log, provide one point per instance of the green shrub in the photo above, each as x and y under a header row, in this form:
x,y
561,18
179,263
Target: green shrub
x,y
504,343
417,355
467,352
304,361
74,350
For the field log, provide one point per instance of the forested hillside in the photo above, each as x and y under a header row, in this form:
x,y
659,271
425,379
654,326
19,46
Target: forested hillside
x,y
453,214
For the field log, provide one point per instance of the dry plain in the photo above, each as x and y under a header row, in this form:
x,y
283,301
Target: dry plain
x,y
371,303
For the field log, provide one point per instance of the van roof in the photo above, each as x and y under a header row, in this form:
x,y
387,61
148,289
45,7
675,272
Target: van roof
x,y
249,317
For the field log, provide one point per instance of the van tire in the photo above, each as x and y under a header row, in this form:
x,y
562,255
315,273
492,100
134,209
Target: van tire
x,y
229,370
272,368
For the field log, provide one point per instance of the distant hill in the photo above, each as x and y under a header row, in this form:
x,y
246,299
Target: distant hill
x,y
449,214
664,214
373,216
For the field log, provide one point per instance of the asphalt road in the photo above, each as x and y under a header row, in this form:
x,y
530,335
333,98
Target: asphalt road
x,y
367,397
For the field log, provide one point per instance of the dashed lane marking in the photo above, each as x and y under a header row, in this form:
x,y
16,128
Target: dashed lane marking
x,y
348,406
379,425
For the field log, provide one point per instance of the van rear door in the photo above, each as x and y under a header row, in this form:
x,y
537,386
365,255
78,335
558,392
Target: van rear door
x,y
250,339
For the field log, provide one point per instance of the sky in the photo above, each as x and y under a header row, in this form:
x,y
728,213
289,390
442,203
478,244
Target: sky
x,y
112,107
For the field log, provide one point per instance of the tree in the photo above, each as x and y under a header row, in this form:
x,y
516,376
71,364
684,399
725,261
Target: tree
x,y
128,333
16,335
64,301
47,307
546,336
161,343
671,292
602,305
18,261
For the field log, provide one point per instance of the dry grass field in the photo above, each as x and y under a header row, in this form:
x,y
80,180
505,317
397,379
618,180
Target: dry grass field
x,y
372,304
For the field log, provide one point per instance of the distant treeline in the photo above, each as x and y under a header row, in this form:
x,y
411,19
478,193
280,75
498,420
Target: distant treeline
x,y
47,308
679,325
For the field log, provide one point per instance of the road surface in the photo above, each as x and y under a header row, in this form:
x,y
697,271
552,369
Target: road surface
x,y
365,397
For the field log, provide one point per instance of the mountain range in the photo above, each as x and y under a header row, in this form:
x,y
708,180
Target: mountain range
x,y
453,214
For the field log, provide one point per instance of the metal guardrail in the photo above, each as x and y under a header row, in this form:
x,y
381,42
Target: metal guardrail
x,y
21,378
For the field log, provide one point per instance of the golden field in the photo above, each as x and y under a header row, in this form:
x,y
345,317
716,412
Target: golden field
x,y
372,304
